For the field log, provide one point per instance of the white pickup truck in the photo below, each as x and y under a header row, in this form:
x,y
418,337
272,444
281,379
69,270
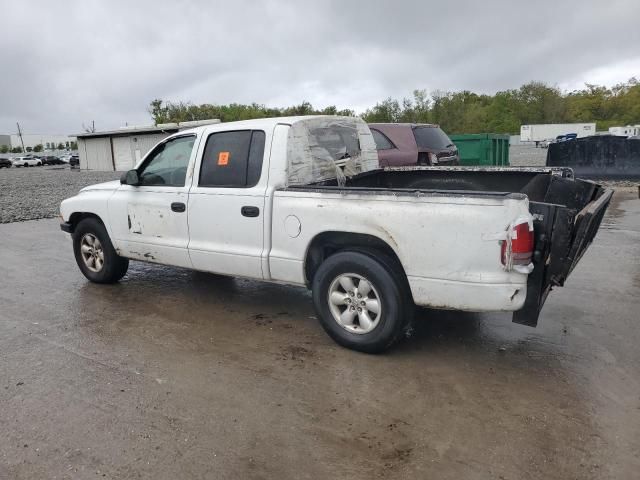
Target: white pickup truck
x,y
302,201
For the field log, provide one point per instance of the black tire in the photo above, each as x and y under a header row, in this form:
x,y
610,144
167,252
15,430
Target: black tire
x,y
114,266
391,287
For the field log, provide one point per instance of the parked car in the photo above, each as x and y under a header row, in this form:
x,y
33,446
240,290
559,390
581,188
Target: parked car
x,y
410,144
265,199
27,161
74,161
65,158
5,163
51,160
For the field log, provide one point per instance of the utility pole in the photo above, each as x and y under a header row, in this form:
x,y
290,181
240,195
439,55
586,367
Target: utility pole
x,y
20,135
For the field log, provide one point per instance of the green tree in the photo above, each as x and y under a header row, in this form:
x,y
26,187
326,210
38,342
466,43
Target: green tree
x,y
74,145
60,146
455,112
37,148
16,150
4,149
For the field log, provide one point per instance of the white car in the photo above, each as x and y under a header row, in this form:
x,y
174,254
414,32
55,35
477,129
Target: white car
x,y
26,162
302,201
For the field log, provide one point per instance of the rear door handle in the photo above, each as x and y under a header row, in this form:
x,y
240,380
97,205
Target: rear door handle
x,y
178,207
250,211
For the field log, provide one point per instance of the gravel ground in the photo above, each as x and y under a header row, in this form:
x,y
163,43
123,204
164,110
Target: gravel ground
x,y
31,193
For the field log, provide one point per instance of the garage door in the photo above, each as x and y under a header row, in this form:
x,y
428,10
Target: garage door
x,y
98,154
122,155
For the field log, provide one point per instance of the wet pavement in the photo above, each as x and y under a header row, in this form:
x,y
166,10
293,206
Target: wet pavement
x,y
174,374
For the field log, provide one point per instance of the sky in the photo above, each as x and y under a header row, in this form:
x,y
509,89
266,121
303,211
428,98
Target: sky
x,y
65,64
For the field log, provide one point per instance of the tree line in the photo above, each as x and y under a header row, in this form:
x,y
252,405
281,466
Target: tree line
x,y
455,112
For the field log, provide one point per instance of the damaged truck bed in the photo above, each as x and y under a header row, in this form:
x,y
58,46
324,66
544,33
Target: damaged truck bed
x,y
567,212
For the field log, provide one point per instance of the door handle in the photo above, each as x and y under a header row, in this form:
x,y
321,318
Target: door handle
x,y
250,211
178,207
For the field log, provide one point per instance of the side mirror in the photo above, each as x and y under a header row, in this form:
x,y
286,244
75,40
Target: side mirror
x,y
130,178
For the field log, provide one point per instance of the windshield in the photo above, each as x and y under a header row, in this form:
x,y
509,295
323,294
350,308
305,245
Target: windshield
x,y
432,138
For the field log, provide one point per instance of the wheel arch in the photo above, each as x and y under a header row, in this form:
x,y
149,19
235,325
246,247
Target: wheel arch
x,y
325,244
76,217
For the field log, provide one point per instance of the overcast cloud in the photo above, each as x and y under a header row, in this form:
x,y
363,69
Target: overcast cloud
x,y
65,63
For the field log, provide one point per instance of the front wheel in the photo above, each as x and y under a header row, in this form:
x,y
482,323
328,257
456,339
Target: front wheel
x,y
95,255
362,302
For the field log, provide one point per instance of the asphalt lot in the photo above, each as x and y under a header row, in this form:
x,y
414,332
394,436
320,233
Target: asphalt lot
x,y
173,374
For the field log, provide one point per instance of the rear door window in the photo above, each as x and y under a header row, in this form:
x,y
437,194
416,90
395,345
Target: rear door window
x,y
232,159
382,142
432,138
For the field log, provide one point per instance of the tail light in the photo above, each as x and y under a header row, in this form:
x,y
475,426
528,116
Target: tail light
x,y
517,249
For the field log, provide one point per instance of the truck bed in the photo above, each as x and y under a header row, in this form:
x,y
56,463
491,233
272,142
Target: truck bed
x,y
567,211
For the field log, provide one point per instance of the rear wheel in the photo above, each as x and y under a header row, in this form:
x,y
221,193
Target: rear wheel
x,y
95,255
362,303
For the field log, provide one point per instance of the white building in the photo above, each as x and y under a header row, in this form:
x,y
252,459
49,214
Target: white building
x,y
120,150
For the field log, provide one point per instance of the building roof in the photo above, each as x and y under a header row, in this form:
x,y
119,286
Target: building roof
x,y
142,129
127,131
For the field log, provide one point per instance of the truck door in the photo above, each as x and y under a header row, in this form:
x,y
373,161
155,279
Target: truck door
x,y
149,220
226,204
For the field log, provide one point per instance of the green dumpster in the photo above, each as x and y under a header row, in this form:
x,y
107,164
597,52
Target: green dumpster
x,y
486,149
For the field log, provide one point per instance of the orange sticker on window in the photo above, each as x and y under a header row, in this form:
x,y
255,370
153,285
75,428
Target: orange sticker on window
x,y
223,158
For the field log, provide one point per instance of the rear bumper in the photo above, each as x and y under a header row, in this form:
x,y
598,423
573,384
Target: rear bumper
x,y
469,296
66,227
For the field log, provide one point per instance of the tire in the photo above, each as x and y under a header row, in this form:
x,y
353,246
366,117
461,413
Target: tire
x,y
388,287
112,267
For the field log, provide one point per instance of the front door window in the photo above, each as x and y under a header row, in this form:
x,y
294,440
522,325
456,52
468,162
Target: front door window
x,y
167,163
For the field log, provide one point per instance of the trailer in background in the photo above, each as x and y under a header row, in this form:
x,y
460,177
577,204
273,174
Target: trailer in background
x,y
548,132
626,131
